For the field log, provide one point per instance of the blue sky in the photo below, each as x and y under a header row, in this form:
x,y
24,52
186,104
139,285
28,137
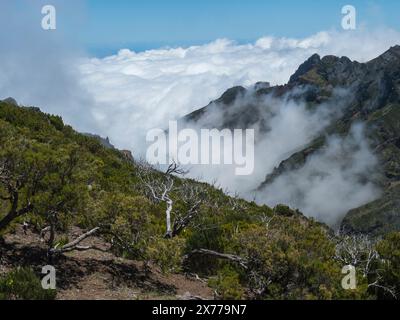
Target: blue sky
x,y
105,26
143,24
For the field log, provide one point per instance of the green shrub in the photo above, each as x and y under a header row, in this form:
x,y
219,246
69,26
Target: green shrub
x,y
227,284
389,266
167,253
23,284
283,211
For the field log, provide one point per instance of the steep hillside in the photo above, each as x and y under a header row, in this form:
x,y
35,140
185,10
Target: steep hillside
x,y
65,196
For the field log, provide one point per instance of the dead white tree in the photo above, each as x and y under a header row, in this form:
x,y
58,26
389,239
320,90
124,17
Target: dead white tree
x,y
237,203
258,278
358,251
193,196
267,219
161,192
160,188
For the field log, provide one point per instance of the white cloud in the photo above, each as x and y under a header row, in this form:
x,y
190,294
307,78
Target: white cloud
x,y
332,182
138,91
284,127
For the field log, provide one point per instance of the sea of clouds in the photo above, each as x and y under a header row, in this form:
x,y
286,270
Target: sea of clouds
x,y
136,91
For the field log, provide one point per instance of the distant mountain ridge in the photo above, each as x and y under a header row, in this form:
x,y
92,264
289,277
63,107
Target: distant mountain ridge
x,y
374,100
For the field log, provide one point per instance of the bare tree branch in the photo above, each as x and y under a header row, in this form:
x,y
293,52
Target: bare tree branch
x,y
356,250
389,290
175,168
74,245
230,257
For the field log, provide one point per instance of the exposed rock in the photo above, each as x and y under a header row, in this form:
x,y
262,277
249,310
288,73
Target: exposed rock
x,y
104,141
128,155
305,67
11,101
262,85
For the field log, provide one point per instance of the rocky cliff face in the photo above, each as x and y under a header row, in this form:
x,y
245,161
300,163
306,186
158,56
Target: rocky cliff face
x,y
372,97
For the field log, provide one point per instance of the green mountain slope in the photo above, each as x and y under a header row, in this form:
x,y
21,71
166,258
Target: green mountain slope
x,y
54,179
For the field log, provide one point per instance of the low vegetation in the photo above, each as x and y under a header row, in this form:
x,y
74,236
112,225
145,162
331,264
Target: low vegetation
x,y
53,178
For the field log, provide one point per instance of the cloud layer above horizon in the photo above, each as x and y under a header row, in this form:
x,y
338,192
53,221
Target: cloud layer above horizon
x,y
134,92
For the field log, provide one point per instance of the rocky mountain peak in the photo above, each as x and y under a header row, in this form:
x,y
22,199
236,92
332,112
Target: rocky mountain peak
x,y
387,58
305,67
231,95
11,101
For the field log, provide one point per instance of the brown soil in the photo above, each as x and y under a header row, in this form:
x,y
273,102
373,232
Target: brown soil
x,y
98,275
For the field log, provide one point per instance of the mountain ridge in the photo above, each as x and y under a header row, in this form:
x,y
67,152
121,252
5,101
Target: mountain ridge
x,y
374,99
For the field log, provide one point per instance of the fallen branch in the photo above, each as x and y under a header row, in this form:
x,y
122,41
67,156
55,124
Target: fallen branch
x,y
74,245
230,257
85,248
